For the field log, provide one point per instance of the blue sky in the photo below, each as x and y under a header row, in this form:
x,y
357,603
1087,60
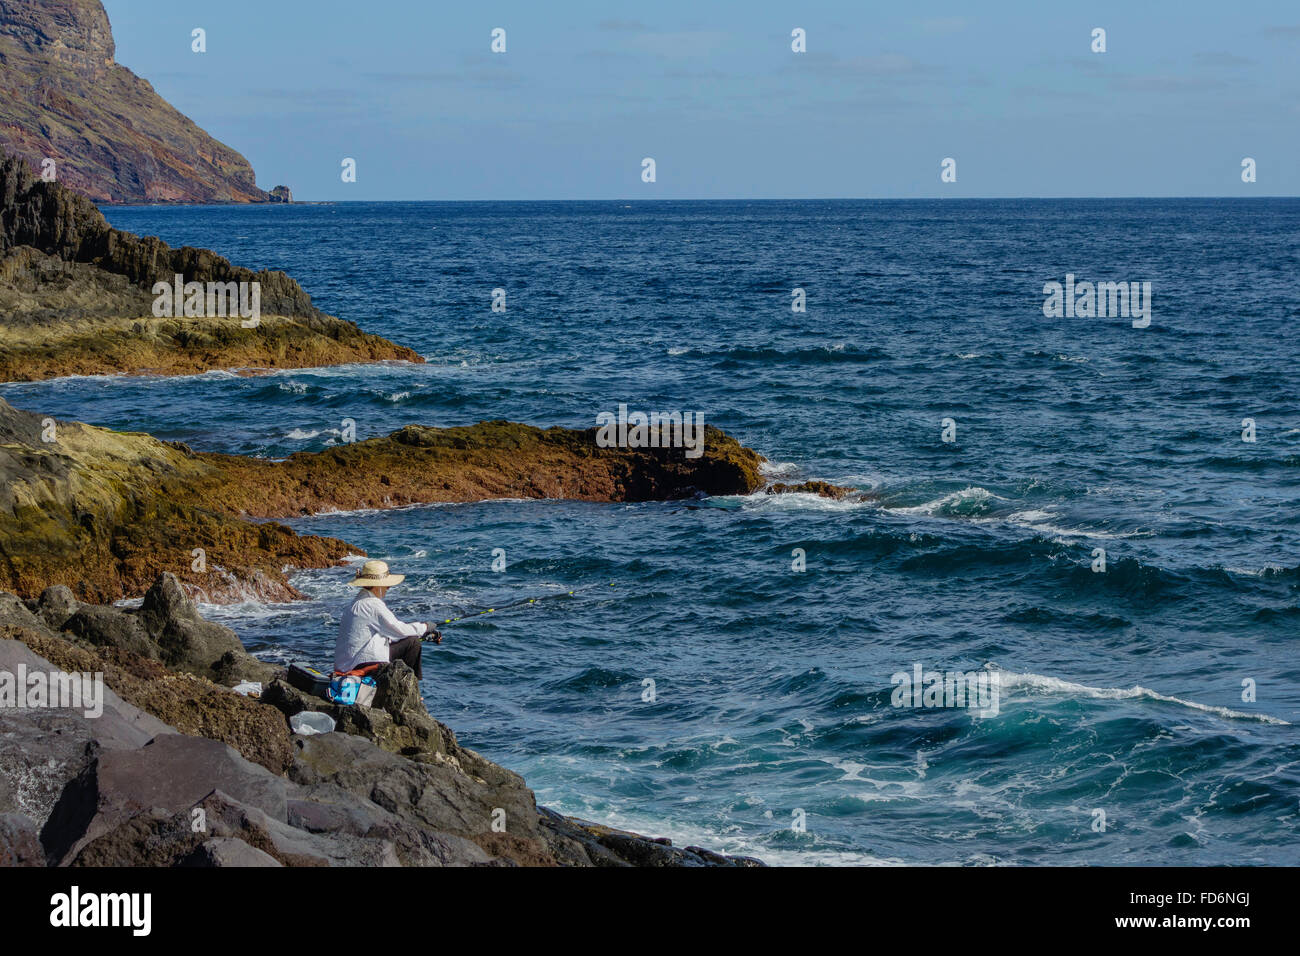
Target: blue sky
x,y
712,91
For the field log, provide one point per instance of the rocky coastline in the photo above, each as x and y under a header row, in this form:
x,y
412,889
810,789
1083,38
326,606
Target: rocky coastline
x,y
90,516
178,769
76,298
105,512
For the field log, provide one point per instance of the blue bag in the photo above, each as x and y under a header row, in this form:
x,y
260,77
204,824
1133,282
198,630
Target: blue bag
x,y
350,691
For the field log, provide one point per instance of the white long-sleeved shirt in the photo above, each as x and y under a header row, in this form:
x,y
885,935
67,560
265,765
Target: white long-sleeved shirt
x,y
366,630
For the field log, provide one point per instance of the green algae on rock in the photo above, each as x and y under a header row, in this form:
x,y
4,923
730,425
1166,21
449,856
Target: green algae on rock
x,y
105,512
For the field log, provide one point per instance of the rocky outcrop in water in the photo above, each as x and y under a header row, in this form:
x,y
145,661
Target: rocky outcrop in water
x,y
109,135
105,512
497,459
177,770
76,299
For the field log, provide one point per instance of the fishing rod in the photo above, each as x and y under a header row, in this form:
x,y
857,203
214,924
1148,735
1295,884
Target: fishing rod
x,y
524,602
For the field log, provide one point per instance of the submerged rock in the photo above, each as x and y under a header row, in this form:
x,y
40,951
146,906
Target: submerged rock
x,y
822,488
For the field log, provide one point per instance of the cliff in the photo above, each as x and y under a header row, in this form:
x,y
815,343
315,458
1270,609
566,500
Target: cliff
x,y
111,137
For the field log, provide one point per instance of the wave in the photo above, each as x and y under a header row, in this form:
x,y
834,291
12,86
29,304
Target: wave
x,y
1054,685
968,502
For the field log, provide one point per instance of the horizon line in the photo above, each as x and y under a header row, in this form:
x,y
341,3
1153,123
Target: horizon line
x,y
339,202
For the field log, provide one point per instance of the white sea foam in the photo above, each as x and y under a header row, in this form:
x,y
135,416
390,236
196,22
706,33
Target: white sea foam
x,y
1032,517
299,435
1040,521
1257,572
974,495
798,501
1054,685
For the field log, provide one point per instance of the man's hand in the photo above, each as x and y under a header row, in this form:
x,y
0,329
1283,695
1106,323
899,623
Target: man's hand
x,y
432,634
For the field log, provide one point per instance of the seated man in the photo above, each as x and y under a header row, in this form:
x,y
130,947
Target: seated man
x,y
370,633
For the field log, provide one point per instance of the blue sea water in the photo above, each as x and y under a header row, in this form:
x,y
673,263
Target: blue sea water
x,y
1123,692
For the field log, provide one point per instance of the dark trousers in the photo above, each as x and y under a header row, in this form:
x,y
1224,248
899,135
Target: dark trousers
x,y
407,650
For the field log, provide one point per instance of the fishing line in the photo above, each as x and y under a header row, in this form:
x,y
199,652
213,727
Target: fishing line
x,y
524,602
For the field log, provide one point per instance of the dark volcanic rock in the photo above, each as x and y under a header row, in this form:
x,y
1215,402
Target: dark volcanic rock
x,y
398,720
439,794
42,750
185,703
20,841
57,603
167,628
581,843
76,298
57,221
109,134
187,642
171,773
229,851
125,789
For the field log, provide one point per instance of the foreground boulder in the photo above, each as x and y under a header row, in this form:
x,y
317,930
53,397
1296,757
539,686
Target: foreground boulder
x,y
126,789
166,627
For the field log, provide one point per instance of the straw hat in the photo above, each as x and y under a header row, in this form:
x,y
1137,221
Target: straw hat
x,y
374,574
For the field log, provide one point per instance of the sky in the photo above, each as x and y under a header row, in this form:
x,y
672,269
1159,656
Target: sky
x,y
712,91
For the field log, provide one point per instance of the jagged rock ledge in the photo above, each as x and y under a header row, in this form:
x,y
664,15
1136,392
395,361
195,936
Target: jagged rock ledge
x,y
76,299
106,511
391,786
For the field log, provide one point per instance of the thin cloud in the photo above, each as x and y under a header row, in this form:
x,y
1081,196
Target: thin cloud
x,y
943,24
623,26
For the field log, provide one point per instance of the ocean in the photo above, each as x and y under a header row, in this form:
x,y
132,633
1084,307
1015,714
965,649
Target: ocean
x,y
724,672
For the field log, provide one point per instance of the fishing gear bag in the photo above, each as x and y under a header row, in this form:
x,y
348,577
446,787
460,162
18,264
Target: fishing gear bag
x,y
349,690
309,680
